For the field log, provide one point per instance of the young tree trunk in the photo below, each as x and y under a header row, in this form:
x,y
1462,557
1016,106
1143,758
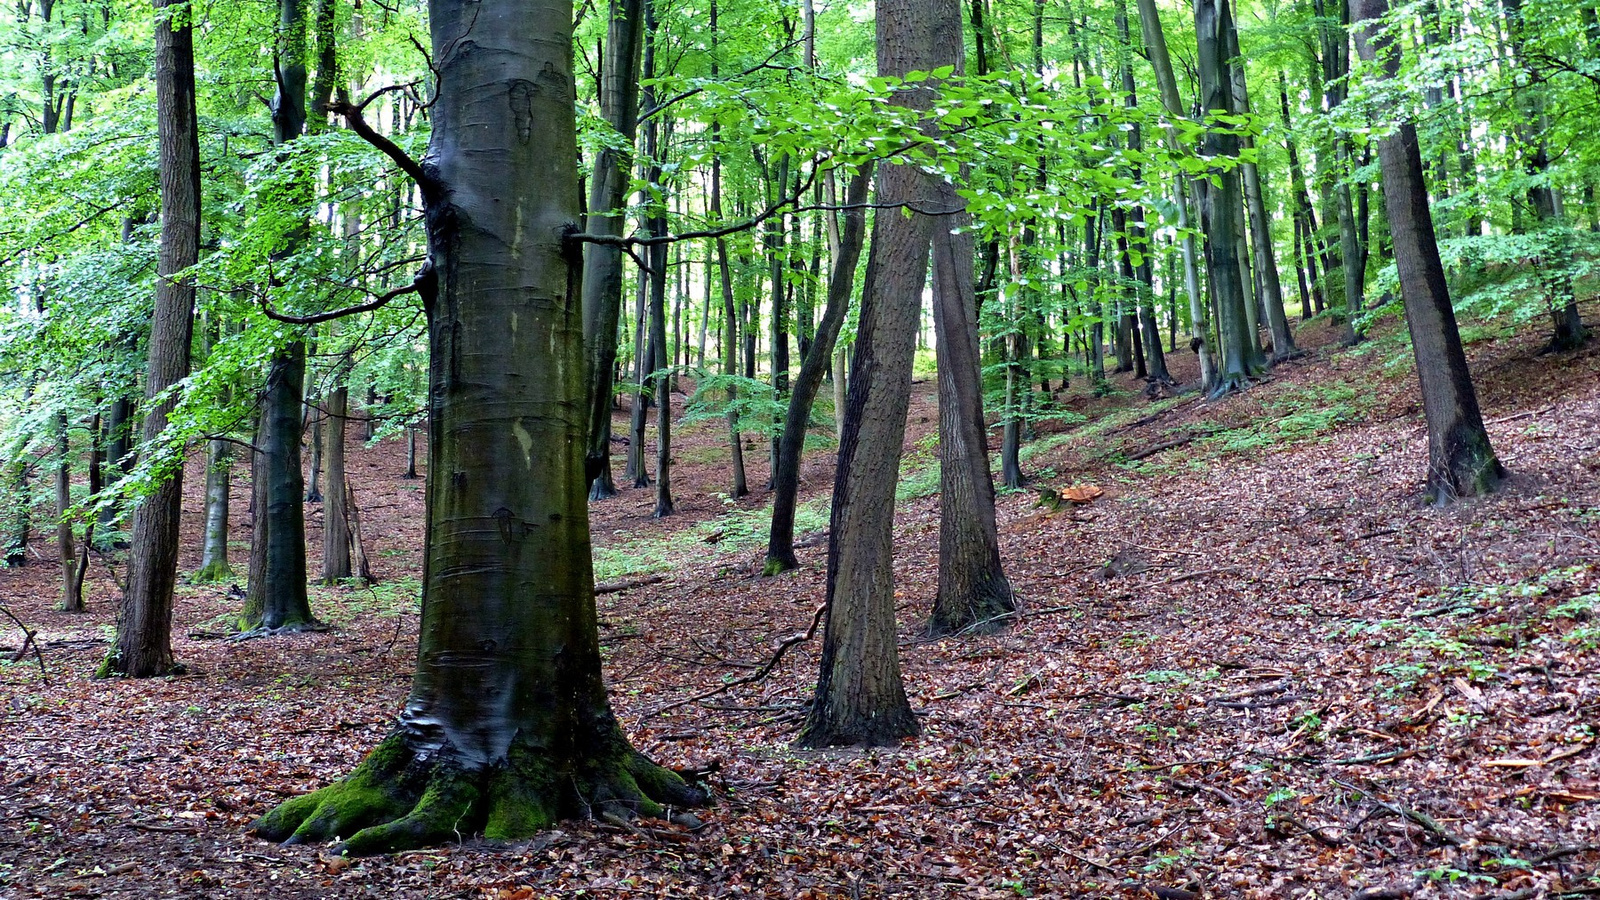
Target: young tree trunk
x,y
860,698
730,317
602,265
644,354
335,518
1155,42
773,240
1461,462
71,589
813,366
507,728
144,625
276,601
214,553
411,453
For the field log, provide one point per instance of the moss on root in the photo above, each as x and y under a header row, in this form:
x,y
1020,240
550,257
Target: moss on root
x,y
395,800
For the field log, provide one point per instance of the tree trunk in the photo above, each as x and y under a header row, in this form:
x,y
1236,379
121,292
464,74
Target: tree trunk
x,y
860,698
276,601
1155,42
144,624
602,265
71,589
214,559
1461,462
335,518
1220,205
508,727
813,366
730,317
973,590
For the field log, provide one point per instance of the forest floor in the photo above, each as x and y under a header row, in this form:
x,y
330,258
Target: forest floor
x,y
1257,666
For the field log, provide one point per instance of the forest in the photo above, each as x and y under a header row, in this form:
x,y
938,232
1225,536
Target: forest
x,y
813,448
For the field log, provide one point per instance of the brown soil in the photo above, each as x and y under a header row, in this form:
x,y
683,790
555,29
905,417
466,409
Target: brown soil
x,y
1263,673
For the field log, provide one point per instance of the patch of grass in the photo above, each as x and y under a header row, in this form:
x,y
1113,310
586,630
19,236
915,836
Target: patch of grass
x,y
735,531
1300,416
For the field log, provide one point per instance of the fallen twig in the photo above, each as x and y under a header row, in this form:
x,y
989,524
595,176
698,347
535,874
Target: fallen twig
x,y
28,640
617,587
753,677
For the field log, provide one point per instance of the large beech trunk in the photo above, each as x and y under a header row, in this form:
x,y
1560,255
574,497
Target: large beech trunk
x,y
507,728
1461,462
144,624
860,698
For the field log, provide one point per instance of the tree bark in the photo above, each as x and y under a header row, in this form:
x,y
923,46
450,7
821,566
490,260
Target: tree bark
x,y
1461,462
786,480
507,728
144,625
335,517
276,600
214,553
603,265
860,698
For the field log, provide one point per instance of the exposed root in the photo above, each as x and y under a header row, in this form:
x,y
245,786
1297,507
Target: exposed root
x,y
263,631
399,800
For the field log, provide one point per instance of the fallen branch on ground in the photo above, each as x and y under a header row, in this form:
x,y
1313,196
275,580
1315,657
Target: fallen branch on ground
x,y
758,675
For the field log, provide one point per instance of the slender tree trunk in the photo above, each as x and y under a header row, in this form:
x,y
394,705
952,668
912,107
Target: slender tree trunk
x,y
214,559
1155,43
1461,462
71,589
602,269
813,366
144,624
973,590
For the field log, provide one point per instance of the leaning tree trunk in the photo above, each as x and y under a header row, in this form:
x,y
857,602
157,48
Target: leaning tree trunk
x,y
1461,462
860,698
144,624
602,264
1155,42
508,728
813,366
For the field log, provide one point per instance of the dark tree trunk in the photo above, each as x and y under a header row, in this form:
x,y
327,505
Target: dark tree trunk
x,y
118,438
144,624
860,698
1461,462
973,590
813,366
276,600
730,313
602,265
508,728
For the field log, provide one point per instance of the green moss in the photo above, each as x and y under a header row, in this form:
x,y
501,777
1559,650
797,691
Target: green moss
x,y
213,573
443,812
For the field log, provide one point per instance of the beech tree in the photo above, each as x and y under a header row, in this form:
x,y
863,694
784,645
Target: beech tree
x,y
507,728
1461,462
144,624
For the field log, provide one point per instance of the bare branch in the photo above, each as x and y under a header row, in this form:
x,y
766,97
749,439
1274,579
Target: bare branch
x,y
423,280
358,124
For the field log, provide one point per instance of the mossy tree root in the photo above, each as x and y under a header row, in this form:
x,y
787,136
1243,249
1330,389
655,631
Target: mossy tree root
x,y
212,573
397,799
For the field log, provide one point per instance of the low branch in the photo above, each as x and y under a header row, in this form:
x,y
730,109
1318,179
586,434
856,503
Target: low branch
x,y
352,116
377,302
